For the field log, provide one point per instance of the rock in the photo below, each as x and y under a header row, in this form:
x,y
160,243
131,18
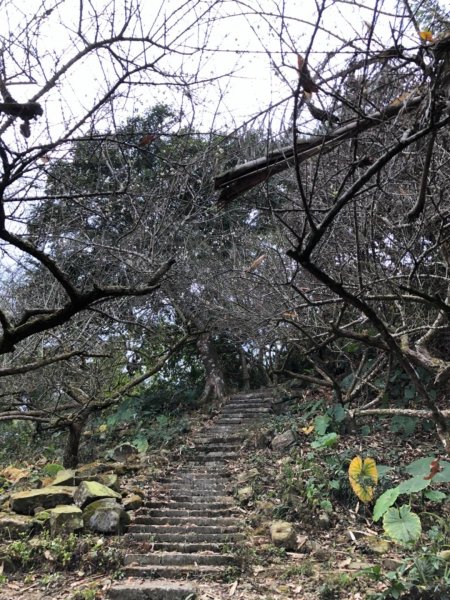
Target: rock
x,y
106,516
132,502
89,491
65,519
66,477
125,451
14,526
41,521
262,439
265,506
111,480
283,441
377,545
244,494
283,534
25,502
323,521
243,477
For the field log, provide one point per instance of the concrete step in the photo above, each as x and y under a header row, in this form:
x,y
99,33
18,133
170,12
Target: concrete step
x,y
152,590
178,558
173,571
190,505
187,547
187,538
177,520
157,530
174,512
199,498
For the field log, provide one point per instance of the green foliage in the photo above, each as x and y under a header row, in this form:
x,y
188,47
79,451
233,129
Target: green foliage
x,y
64,553
86,594
52,469
384,502
402,525
404,425
321,424
425,577
421,468
325,441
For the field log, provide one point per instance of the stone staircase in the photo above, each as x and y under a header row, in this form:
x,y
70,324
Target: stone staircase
x,y
192,523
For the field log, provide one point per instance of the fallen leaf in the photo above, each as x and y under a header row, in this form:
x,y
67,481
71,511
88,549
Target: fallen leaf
x,y
434,469
233,588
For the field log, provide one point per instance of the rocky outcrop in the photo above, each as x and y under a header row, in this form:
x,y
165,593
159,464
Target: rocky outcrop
x,y
25,502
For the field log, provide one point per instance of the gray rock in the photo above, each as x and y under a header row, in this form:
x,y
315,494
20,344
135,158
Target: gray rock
x,y
66,477
125,451
132,502
244,494
14,526
65,519
106,516
90,491
25,502
283,441
283,534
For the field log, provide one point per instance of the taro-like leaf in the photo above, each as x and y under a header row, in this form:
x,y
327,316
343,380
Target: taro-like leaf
x,y
384,502
363,477
415,484
402,525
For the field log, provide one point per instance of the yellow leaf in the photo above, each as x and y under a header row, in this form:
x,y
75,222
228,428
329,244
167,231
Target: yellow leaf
x,y
426,36
307,430
102,428
363,477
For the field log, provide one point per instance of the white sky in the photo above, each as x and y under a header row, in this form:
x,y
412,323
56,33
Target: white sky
x,y
251,40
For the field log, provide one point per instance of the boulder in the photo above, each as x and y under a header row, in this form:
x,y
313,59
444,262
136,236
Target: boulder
x,y
132,502
111,480
125,451
25,502
106,516
65,519
283,441
14,526
283,534
244,494
324,521
66,477
90,491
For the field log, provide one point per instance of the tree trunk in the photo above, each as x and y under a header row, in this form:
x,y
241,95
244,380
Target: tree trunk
x,y
215,381
70,459
245,372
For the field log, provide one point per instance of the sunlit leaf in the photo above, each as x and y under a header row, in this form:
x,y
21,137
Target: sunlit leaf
x,y
307,430
363,477
384,502
426,35
402,525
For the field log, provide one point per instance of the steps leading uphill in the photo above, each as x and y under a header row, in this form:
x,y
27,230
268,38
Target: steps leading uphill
x,y
190,528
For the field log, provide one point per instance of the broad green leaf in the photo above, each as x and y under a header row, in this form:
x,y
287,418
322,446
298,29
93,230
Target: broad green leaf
x,y
325,441
321,424
141,443
383,470
338,412
415,484
435,495
363,476
421,467
402,525
385,501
